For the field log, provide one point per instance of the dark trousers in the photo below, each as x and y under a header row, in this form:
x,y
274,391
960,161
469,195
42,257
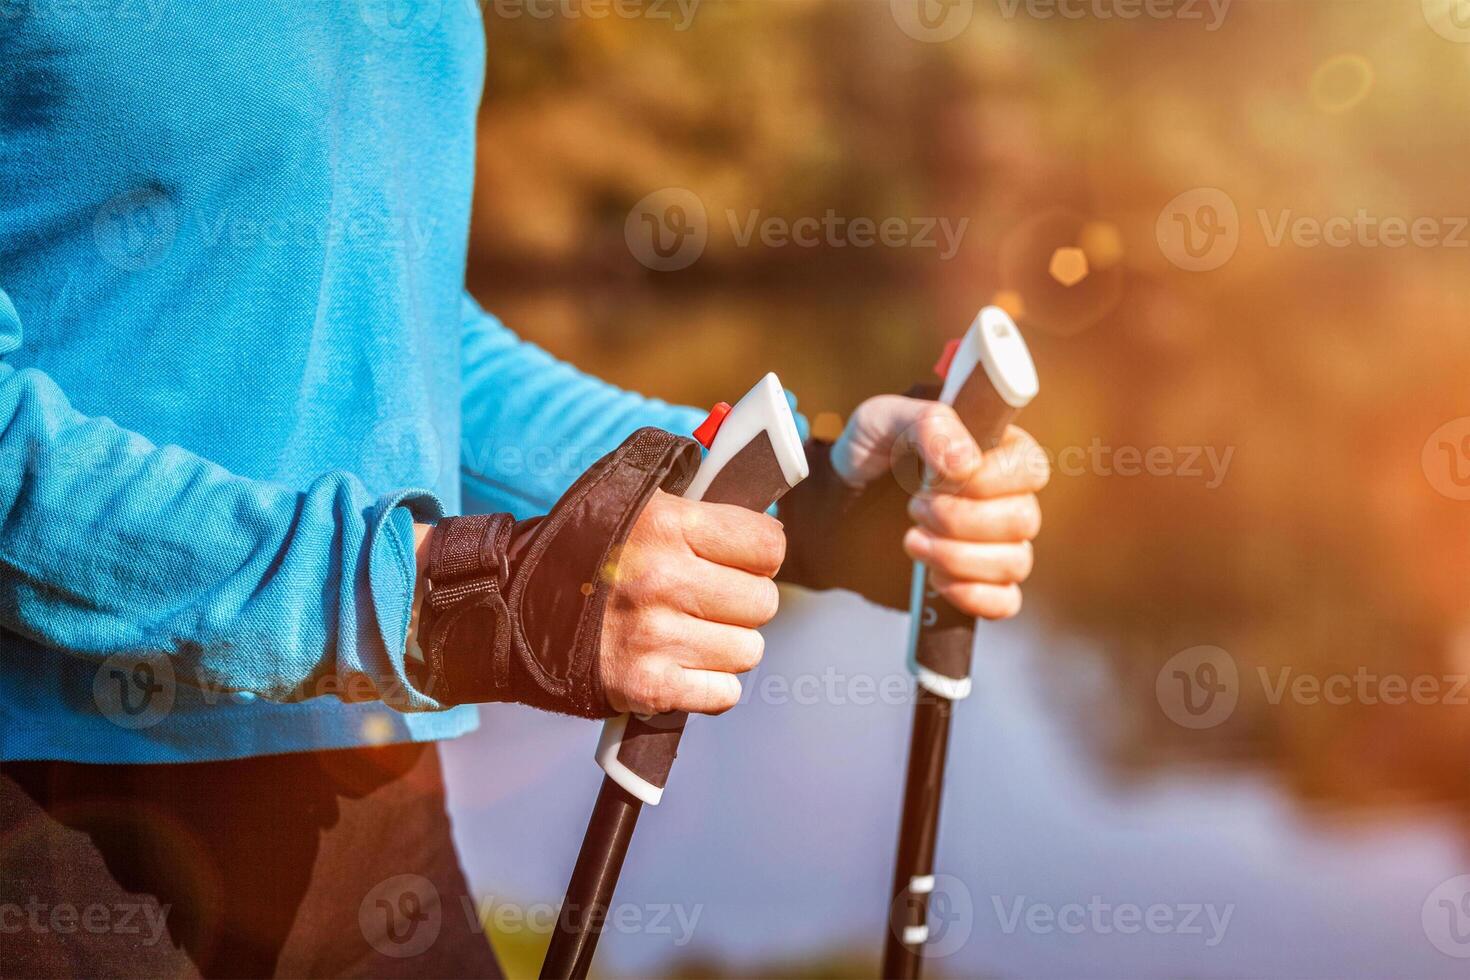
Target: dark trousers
x,y
318,864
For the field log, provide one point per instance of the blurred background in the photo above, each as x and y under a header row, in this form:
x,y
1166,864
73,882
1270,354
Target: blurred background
x,y
1235,237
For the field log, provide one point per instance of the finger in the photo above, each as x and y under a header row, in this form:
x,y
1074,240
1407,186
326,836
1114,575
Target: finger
x,y
706,692
729,535
1018,465
719,647
998,519
969,561
941,441
978,599
721,594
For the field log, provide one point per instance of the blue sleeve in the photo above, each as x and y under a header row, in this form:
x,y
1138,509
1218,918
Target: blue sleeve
x,y
110,545
533,424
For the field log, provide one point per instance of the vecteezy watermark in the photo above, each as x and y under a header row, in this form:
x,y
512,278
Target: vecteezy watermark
x,y
139,691
135,231
1201,687
1445,459
1211,13
949,915
835,231
1200,230
830,687
135,692
1450,19
1362,230
934,21
669,230
679,13
674,920
1445,916
1207,463
146,920
401,916
1098,917
1198,687
401,20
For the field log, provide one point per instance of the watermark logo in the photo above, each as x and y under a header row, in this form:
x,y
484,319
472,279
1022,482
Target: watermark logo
x,y
134,231
1199,230
403,451
679,13
1446,917
1445,459
934,21
667,230
949,916
400,20
833,230
1198,687
1450,19
1103,918
401,916
135,693
1211,13
145,920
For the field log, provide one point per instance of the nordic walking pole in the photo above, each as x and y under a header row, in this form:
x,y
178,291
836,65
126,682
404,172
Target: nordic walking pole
x,y
988,379
755,456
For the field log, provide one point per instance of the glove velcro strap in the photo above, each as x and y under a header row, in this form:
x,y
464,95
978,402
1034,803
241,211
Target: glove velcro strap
x,y
467,557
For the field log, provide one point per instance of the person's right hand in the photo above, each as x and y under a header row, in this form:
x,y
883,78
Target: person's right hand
x,y
691,586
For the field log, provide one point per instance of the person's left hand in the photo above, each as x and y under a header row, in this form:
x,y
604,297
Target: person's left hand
x,y
975,516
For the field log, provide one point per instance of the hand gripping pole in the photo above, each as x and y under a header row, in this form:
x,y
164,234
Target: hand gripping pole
x,y
755,456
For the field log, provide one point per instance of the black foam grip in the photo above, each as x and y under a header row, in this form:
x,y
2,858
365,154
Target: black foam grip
x,y
753,479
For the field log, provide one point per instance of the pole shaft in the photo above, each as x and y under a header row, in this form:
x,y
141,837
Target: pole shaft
x,y
595,876
918,834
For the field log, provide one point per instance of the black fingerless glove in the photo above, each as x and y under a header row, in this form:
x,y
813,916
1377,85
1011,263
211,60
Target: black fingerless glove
x,y
841,537
514,609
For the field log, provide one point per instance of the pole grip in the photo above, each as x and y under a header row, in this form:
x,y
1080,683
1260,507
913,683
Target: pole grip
x,y
755,456
944,635
988,379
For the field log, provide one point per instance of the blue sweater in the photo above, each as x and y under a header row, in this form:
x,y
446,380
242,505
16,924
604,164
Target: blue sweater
x,y
236,361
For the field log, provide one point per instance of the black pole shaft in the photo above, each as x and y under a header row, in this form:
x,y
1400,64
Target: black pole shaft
x,y
595,876
918,833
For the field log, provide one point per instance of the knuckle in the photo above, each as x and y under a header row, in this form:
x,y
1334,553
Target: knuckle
x,y
669,516
651,584
652,631
944,513
942,555
654,686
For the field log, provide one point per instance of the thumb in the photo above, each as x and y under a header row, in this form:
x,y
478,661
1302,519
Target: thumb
x,y
889,429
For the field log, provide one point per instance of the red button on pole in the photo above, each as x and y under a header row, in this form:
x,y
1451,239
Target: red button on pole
x,y
947,358
705,434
